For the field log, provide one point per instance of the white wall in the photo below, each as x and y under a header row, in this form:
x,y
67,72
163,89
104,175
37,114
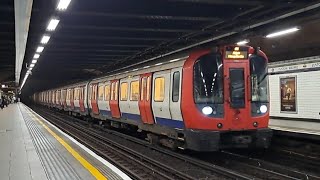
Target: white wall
x,y
308,95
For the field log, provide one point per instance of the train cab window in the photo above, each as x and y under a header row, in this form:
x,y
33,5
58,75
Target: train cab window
x,y
124,91
101,92
259,78
159,88
176,86
208,79
134,91
107,92
143,87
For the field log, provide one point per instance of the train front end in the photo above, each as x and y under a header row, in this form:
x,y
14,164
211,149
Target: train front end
x,y
225,102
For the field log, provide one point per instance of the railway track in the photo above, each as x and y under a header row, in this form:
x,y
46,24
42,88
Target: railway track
x,y
228,166
140,162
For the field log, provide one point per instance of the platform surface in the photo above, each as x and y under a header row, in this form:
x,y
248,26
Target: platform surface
x,y
32,148
312,128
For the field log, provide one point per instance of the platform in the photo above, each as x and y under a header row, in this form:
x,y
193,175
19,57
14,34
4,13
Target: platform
x,y
33,148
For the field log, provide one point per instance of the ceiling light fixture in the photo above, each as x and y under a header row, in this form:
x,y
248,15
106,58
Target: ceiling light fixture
x,y
32,65
34,61
283,32
63,5
45,39
36,56
53,24
243,42
174,60
39,49
158,64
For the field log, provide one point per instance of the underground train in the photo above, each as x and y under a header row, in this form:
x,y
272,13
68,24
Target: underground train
x,y
209,100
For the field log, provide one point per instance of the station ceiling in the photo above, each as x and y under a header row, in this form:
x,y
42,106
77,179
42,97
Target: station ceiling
x,y
7,41
98,36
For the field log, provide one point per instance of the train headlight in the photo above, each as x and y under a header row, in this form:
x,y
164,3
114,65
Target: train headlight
x,y
207,110
263,109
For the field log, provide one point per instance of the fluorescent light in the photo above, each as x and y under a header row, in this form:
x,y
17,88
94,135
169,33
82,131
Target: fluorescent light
x,y
45,39
146,67
34,61
32,65
3,86
135,70
279,33
63,5
242,42
158,64
36,56
53,24
40,49
174,60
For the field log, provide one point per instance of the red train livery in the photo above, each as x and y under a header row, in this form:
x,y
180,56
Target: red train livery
x,y
207,101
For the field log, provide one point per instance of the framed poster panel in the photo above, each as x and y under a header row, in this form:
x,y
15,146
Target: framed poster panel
x,y
288,94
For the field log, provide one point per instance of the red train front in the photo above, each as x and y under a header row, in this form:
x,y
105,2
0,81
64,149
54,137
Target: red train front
x,y
225,99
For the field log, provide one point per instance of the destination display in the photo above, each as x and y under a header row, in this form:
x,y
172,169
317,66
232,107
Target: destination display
x,y
236,53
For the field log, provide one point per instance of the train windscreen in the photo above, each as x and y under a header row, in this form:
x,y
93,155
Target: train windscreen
x,y
208,79
259,78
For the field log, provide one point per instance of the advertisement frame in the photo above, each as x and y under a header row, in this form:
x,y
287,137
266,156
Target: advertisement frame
x,y
281,78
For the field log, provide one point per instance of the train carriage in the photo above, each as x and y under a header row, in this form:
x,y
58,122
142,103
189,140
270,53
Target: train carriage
x,y
204,102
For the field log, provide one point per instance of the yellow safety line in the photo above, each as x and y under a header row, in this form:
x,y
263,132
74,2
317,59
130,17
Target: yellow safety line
x,y
95,172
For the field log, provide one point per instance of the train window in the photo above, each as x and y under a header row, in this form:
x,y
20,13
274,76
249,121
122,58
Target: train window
x,y
208,79
71,94
90,92
148,88
143,87
116,87
107,92
82,93
159,89
124,91
112,91
134,91
75,94
78,94
101,92
259,78
176,86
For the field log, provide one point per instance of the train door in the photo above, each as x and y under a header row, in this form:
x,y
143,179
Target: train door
x,y
72,98
161,98
237,92
133,99
101,102
175,97
107,89
81,99
94,101
145,99
114,100
123,97
76,99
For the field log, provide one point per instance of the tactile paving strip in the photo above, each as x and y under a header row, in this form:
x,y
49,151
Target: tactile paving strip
x,y
55,165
